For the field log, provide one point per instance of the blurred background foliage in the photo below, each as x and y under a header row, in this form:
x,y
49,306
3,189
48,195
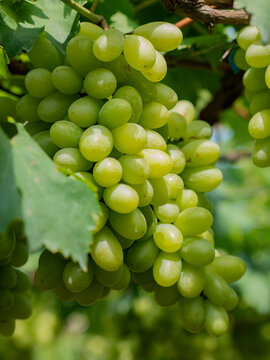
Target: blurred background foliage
x,y
130,325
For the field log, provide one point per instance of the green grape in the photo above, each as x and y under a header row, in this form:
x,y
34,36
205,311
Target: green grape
x,y
121,198
216,319
115,113
231,300
65,134
6,299
44,54
204,202
124,242
191,281
75,279
230,268
108,278
136,169
261,152
67,80
247,35
131,226
91,294
194,220
38,83
167,213
151,222
80,54
178,159
139,52
90,30
187,199
146,88
84,111
167,268
27,108
145,192
258,55
129,138
7,326
100,83
192,313
23,282
8,277
154,115
168,238
267,74
46,143
159,162
49,273
142,255
106,250
21,308
96,143
7,244
124,280
158,71
249,94
107,172
130,94
8,108
198,129
166,296
164,36
259,124
240,60
37,126
144,278
155,141
149,288
260,101
177,126
20,254
106,291
208,235
101,219
201,152
202,179
165,95
63,294
186,109
197,251
254,79
72,159
55,107
176,185
109,45
162,191
88,179
119,67
216,289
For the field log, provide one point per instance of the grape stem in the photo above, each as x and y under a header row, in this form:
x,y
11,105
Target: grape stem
x,y
94,18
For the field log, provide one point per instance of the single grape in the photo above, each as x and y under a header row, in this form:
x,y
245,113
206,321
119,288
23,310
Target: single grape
x,y
178,159
167,213
154,115
162,191
107,278
108,172
202,179
165,95
84,111
176,185
38,83
7,326
187,199
72,159
258,55
159,162
192,313
167,268
254,79
142,255
121,198
136,169
155,141
7,244
166,296
101,220
130,94
158,71
75,279
168,237
261,152
90,30
91,294
139,52
247,36
63,294
100,83
65,134
260,101
197,251
198,129
230,268
177,126
129,138
240,59
115,113
145,192
27,108
44,54
201,152
186,109
259,124
216,319
109,45
145,87
191,281
20,254
67,80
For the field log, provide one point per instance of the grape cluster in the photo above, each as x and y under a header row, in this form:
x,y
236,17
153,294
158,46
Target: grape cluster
x,y
254,57
105,116
15,285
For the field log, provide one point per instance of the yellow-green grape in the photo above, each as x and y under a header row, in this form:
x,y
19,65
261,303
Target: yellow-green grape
x,y
177,126
167,213
229,267
26,108
197,251
208,235
80,54
267,74
168,237
106,250
90,30
139,52
44,54
159,162
121,198
101,219
107,278
38,83
216,319
247,36
75,279
202,179
130,94
145,192
204,202
146,88
154,115
115,113
124,280
142,255
132,226
217,290
186,109
46,143
192,313
249,94
260,101
164,36
240,60
109,45
100,83
176,185
96,143
120,68
166,296
72,159
259,124
129,138
151,222
254,79
194,220
198,129
67,80
201,152
178,158
167,268
191,281
65,134
84,111
107,172
91,294
136,169
258,55
155,141
162,192
158,71
261,152
187,199
165,95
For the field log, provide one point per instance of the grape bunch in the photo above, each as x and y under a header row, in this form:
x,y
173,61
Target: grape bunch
x,y
254,57
103,114
15,285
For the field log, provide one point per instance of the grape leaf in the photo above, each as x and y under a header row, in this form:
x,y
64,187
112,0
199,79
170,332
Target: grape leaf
x,y
3,64
10,199
57,211
259,11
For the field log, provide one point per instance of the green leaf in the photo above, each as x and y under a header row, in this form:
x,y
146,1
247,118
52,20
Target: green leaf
x,y
57,211
259,11
3,64
10,199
